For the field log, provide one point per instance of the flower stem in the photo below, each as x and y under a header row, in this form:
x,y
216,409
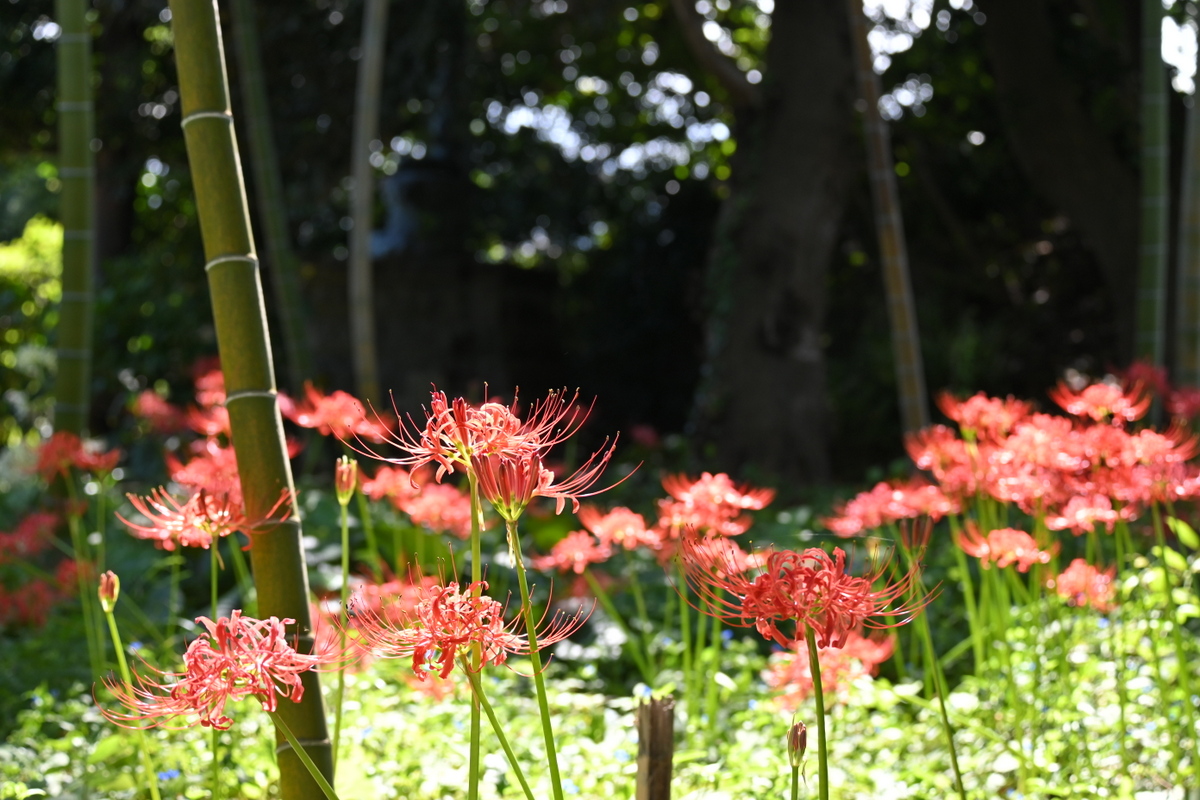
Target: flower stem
x,y
477,690
245,584
303,756
795,783
539,680
87,596
814,666
685,631
1183,668
127,678
476,650
607,604
344,615
364,513
216,764
173,594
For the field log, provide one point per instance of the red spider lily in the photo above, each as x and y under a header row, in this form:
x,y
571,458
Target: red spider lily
x,y
162,417
393,483
1004,547
790,672
447,623
811,589
510,483
1184,403
214,469
1081,584
209,421
197,521
32,536
573,553
64,450
939,450
886,504
237,657
1146,374
711,503
440,508
618,527
338,414
1082,513
209,381
1102,401
983,418
345,479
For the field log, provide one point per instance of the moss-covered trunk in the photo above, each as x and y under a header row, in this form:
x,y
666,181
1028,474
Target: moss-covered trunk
x,y
245,350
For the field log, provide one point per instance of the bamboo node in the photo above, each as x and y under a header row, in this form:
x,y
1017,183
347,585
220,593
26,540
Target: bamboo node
x,y
195,115
305,743
270,394
73,105
228,259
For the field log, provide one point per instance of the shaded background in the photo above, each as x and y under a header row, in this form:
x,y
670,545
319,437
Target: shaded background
x,y
574,192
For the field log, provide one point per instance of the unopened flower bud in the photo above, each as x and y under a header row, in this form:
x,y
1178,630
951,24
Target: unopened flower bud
x,y
797,743
110,588
346,479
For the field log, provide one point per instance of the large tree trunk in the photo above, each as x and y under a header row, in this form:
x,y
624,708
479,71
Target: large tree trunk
x,y
1066,156
763,394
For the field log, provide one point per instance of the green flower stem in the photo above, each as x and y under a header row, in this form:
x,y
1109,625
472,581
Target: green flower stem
x,y
398,556
127,678
968,588
710,697
476,650
814,666
639,601
304,757
795,783
245,584
477,691
1003,604
216,564
539,680
1183,668
173,593
216,764
364,513
87,596
345,621
607,604
685,632
1118,652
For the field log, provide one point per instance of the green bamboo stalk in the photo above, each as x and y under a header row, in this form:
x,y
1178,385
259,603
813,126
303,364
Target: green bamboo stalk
x,y
1152,248
244,344
1187,285
268,194
889,226
76,170
362,201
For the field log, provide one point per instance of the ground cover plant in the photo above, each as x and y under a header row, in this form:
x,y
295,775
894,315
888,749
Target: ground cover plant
x,y
1052,553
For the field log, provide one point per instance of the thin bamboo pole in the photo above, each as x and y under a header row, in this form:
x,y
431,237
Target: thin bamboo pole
x,y
282,265
76,170
245,348
889,226
1152,248
1187,293
362,201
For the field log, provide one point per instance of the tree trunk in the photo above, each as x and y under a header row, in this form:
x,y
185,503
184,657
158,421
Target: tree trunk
x,y
1152,250
362,201
889,227
1187,341
268,191
762,398
245,348
76,170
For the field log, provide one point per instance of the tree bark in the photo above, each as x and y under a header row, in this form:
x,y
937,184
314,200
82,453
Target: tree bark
x,y
245,349
76,170
762,395
1065,156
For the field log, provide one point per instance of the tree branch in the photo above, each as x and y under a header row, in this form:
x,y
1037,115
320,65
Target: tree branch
x,y
741,91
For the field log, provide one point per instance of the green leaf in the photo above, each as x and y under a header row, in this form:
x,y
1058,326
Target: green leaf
x,y
1184,532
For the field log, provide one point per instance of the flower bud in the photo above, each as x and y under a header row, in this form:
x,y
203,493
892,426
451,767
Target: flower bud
x,y
345,479
797,743
110,588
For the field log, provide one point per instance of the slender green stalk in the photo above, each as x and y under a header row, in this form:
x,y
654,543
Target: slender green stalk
x,y
173,594
1155,189
87,595
216,734
539,680
344,614
317,775
477,691
814,667
639,602
245,583
1115,629
1183,665
214,572
968,587
710,697
244,345
76,171
607,604
795,783
1187,283
685,632
216,764
364,515
476,651
127,678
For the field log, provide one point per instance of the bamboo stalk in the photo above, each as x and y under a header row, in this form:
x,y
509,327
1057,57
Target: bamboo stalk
x,y
245,348
656,748
1152,246
1187,289
268,194
362,201
889,226
76,170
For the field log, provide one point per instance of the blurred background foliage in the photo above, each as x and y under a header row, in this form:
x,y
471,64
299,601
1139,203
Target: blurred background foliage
x,y
553,175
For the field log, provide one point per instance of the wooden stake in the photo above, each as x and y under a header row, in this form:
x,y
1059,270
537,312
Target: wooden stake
x,y
656,748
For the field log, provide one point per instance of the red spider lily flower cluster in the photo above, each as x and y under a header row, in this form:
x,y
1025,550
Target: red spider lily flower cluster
x,y
620,527
64,450
887,504
810,589
338,414
236,657
31,602
710,504
1004,547
1103,401
31,537
574,553
162,417
197,521
1083,585
447,623
440,507
790,672
212,468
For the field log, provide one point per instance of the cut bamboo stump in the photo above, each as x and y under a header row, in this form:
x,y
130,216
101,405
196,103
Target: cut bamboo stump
x,y
656,748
